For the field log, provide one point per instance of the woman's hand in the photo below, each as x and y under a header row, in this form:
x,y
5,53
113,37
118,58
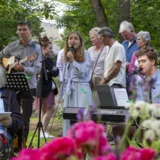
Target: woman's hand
x,y
70,56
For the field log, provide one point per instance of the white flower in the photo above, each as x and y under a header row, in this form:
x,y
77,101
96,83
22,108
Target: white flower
x,y
151,107
156,126
156,113
147,123
134,113
140,104
128,105
149,134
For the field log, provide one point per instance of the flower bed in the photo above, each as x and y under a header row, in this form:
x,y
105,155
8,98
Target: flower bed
x,y
86,139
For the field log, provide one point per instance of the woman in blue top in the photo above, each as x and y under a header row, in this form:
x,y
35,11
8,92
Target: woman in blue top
x,y
76,75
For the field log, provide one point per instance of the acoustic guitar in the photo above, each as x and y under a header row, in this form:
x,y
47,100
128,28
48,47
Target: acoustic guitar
x,y
9,63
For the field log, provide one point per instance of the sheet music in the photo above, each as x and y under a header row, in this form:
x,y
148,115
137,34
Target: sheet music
x,y
121,96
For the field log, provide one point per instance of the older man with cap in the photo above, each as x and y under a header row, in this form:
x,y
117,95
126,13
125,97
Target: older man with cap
x,y
114,65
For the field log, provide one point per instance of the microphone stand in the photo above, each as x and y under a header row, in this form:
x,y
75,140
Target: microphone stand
x,y
43,76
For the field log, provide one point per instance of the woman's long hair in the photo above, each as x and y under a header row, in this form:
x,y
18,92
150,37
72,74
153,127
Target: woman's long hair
x,y
45,42
78,53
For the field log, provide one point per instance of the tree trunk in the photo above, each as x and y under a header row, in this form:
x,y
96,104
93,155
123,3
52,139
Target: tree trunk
x,y
98,9
124,12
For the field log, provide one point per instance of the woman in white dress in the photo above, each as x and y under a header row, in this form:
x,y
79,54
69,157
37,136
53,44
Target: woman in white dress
x,y
76,75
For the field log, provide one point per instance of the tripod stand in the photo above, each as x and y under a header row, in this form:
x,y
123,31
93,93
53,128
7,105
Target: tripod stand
x,y
43,75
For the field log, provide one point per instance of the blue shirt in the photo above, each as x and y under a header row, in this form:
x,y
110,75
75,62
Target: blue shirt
x,y
131,49
147,93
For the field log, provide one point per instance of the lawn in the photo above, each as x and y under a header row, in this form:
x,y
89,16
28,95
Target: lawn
x,y
54,128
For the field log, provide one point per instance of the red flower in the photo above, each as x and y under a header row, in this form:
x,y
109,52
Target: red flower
x,y
28,154
58,148
148,154
89,136
132,153
110,156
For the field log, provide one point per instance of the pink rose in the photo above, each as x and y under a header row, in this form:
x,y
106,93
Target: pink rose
x,y
28,154
148,154
131,153
58,148
138,154
89,136
109,156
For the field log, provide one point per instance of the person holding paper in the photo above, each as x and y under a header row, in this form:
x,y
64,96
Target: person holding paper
x,y
8,103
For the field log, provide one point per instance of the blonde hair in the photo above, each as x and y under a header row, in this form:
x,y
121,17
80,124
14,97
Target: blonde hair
x,y
78,53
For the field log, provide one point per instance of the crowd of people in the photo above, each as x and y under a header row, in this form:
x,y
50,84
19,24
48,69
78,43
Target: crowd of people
x,y
105,62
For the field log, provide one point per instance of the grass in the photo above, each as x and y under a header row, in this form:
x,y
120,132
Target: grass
x,y
54,128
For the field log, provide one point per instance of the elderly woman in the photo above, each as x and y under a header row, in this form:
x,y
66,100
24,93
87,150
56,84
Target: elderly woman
x,y
76,75
8,103
98,53
143,39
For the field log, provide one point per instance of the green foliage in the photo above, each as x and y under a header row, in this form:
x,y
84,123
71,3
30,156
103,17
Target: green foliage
x,y
11,12
77,17
80,17
145,16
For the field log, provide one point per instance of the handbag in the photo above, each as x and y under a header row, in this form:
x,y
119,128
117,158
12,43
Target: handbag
x,y
54,87
91,81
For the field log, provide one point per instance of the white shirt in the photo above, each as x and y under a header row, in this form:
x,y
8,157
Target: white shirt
x,y
116,53
59,64
1,103
99,70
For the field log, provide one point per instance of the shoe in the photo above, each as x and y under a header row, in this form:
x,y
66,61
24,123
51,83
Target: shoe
x,y
47,135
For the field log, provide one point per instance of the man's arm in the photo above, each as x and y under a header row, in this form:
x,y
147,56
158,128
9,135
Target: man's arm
x,y
112,73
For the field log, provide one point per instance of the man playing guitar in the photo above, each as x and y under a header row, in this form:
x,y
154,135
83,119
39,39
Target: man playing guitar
x,y
20,49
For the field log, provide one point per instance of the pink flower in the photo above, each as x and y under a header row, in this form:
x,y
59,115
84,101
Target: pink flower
x,y
28,154
148,154
89,135
138,154
131,153
62,147
110,156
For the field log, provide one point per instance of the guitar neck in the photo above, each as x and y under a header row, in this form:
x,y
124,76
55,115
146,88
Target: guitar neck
x,y
22,60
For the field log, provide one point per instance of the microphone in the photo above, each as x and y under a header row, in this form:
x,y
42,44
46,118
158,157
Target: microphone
x,y
135,71
71,49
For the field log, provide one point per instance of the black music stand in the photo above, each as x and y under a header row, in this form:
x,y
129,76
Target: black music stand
x,y
18,83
